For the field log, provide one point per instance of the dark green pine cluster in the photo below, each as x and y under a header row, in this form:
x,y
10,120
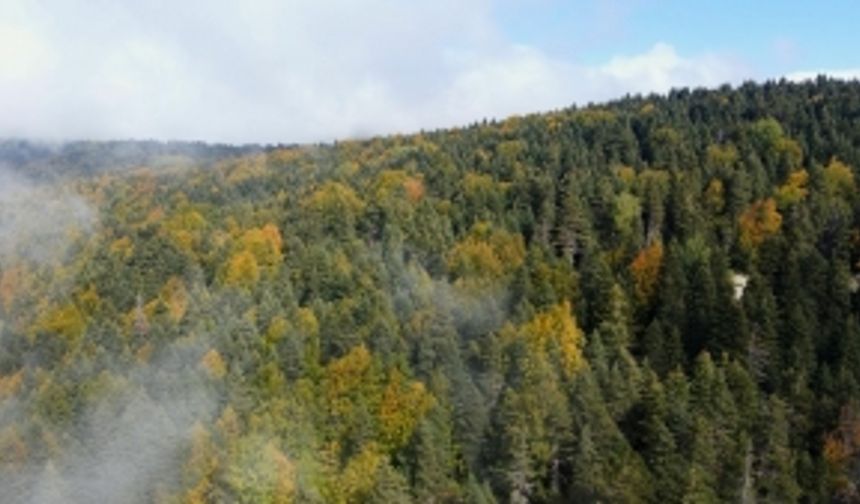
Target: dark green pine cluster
x,y
651,300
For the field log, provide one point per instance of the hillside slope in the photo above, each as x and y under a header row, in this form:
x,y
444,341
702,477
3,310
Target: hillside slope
x,y
651,300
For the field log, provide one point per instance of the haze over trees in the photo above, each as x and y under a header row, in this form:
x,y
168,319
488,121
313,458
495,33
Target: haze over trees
x,y
543,309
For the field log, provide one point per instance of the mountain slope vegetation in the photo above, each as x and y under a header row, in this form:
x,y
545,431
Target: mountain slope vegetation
x,y
649,300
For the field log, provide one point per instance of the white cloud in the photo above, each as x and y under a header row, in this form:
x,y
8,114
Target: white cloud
x,y
526,80
662,68
300,70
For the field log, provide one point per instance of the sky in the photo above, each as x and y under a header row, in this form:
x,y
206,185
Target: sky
x,y
296,71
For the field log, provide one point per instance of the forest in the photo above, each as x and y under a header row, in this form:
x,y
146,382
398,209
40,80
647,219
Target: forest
x,y
651,300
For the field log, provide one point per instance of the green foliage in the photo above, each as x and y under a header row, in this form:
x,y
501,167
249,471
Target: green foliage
x,y
533,310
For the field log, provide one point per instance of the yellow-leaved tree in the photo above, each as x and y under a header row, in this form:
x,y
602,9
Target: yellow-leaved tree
x,y
348,386
486,256
258,251
265,244
645,270
794,189
839,179
186,228
555,333
259,472
200,466
403,405
758,222
174,295
335,206
65,320
358,477
213,364
11,384
242,270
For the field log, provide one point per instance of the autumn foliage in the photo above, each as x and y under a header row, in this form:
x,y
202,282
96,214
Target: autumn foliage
x,y
758,222
654,300
554,333
842,454
645,270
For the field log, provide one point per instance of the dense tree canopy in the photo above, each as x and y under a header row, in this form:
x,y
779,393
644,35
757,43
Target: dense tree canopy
x,y
543,309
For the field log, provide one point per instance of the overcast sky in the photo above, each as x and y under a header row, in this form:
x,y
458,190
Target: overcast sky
x,y
316,70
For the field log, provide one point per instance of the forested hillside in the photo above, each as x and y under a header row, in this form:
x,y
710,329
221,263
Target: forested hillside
x,y
650,300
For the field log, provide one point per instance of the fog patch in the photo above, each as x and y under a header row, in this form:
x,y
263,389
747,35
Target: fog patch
x,y
130,443
39,222
474,311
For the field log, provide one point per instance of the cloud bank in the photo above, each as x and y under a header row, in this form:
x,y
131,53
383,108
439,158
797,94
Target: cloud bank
x,y
295,70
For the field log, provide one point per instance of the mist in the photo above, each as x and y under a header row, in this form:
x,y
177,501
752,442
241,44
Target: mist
x,y
129,441
39,221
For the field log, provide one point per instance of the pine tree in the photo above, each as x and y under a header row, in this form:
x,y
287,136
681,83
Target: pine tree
x,y
659,449
775,476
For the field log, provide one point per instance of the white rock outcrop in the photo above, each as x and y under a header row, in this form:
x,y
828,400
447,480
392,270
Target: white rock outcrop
x,y
739,282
